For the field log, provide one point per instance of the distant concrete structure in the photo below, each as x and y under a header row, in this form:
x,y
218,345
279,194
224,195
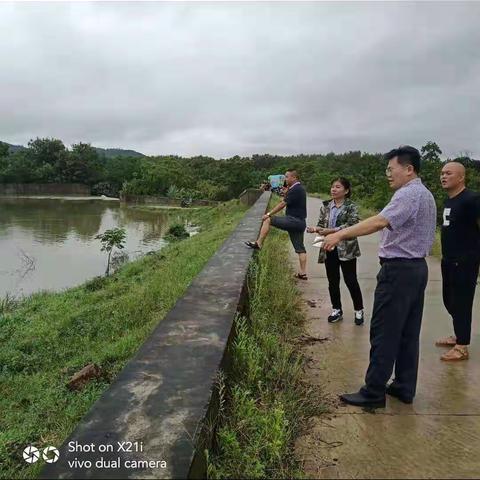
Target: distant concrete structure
x,y
162,405
250,196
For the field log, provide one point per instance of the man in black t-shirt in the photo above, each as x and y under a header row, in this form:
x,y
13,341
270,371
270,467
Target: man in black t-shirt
x,y
293,222
460,257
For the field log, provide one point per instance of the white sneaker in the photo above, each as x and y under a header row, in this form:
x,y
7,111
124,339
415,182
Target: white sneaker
x,y
359,317
335,316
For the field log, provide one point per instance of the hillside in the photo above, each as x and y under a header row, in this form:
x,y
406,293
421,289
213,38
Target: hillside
x,y
105,152
118,152
14,148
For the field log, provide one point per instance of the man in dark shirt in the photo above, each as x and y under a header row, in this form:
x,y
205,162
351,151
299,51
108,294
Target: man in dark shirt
x,y
293,222
460,257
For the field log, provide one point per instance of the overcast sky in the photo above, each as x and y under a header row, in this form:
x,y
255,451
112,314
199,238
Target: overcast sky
x,y
223,79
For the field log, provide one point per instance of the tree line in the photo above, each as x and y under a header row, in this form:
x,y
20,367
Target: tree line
x,y
47,160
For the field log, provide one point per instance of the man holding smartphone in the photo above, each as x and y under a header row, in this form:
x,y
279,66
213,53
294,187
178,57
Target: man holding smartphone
x,y
294,221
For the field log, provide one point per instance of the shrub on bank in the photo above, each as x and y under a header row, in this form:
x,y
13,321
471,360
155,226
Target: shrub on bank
x,y
177,232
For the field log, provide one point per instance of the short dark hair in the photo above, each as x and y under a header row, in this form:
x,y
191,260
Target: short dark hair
x,y
345,183
406,155
293,172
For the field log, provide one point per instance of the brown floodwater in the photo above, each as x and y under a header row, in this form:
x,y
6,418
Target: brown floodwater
x,y
49,244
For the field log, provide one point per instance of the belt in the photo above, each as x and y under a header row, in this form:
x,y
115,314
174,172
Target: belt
x,y
401,260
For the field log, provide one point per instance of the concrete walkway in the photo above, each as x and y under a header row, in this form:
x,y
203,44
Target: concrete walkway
x,y
438,436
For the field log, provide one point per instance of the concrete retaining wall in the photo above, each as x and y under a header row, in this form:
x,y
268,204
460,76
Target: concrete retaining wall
x,y
157,200
163,396
44,189
250,196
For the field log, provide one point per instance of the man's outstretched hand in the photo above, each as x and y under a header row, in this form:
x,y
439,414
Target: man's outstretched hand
x,y
331,241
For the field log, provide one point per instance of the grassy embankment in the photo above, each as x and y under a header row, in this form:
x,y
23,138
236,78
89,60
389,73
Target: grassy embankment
x,y
264,403
366,212
48,337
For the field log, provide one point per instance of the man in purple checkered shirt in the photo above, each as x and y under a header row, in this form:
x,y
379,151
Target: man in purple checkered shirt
x,y
408,231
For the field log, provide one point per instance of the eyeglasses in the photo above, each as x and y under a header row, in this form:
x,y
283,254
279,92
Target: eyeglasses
x,y
388,170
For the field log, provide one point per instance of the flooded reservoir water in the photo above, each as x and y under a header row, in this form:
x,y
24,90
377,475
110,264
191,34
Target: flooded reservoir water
x,y
49,244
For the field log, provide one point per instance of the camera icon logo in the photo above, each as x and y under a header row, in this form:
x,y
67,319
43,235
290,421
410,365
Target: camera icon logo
x,y
31,454
50,454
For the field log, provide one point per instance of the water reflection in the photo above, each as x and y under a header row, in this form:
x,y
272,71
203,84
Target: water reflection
x,y
51,221
49,243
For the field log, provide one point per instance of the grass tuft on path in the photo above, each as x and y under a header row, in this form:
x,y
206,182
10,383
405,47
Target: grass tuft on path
x,y
50,336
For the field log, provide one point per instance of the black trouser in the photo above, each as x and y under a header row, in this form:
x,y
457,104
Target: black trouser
x,y
395,326
349,270
459,282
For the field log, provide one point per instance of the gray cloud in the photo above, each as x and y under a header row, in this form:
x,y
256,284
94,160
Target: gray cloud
x,y
223,79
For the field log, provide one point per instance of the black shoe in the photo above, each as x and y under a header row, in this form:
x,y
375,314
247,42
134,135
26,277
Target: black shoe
x,y
335,316
253,245
395,392
360,400
359,317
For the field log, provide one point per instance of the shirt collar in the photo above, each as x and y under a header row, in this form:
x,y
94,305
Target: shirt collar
x,y
412,182
296,183
333,205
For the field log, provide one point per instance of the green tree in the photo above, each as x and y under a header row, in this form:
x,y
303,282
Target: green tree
x,y
47,151
4,149
117,170
431,152
82,165
175,192
110,239
157,174
209,190
19,168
